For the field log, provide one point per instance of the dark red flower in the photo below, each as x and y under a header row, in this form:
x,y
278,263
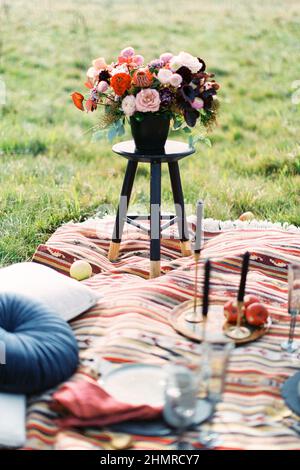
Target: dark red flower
x,y
185,73
191,115
202,65
104,76
166,97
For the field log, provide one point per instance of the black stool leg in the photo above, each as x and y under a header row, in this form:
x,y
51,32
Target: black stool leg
x,y
179,207
122,210
155,222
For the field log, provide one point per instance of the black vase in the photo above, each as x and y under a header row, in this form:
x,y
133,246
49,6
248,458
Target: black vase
x,y
150,133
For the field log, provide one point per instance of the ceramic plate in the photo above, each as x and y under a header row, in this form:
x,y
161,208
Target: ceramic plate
x,y
289,392
136,384
158,427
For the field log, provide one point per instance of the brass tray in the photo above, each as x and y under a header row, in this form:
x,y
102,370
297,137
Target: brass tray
x,y
256,331
215,329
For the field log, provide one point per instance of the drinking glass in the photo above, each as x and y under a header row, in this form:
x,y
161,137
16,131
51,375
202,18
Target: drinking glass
x,y
293,306
212,380
180,401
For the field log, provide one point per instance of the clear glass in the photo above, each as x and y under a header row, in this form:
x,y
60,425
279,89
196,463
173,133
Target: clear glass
x,y
290,345
215,360
180,401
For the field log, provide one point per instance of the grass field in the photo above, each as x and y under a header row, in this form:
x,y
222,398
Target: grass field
x,y
51,171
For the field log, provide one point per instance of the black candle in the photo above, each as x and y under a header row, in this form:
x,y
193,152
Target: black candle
x,y
205,303
245,267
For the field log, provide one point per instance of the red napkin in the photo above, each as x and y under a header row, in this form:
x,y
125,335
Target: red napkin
x,y
89,405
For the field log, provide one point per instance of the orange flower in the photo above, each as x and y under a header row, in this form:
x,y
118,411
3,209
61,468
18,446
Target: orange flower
x,y
77,100
142,78
120,82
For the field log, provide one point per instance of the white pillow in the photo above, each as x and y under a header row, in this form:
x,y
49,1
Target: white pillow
x,y
65,296
12,422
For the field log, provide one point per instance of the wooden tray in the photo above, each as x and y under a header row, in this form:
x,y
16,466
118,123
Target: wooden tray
x,y
256,331
215,325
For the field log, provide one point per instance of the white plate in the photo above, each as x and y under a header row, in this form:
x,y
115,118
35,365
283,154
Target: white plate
x,y
136,384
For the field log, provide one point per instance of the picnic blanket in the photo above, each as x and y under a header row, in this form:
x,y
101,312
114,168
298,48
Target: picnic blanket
x,y
135,309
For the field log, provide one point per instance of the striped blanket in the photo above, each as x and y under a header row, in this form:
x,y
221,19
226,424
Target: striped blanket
x,y
135,309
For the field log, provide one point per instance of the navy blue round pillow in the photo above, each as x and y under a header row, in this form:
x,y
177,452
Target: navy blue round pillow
x,y
37,348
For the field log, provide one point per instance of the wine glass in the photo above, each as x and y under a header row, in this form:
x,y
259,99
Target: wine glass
x,y
293,306
180,401
213,375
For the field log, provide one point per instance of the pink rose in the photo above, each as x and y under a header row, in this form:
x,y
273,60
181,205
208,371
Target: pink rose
x,y
138,59
166,57
198,103
99,64
119,69
128,105
92,75
147,100
176,80
164,76
102,86
184,59
127,52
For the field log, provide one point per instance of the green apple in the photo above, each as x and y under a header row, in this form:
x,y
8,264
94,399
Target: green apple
x,y
81,270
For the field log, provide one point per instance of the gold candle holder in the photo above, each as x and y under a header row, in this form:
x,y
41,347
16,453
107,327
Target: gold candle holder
x,y
238,331
195,316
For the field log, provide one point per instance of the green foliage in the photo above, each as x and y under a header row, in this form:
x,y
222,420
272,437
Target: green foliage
x,y
195,139
53,168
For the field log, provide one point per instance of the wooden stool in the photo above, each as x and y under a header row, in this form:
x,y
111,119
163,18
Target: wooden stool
x,y
174,151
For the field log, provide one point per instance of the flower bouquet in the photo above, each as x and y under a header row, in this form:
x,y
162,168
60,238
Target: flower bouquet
x,y
172,87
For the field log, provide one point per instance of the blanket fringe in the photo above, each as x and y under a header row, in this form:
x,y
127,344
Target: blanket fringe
x,y
212,225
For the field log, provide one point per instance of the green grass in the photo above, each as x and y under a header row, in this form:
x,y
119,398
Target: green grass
x,y
51,171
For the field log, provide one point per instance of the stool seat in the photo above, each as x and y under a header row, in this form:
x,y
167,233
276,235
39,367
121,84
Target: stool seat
x,y
173,152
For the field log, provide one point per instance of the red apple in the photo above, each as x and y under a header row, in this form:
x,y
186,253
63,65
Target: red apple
x,y
231,311
250,299
257,314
